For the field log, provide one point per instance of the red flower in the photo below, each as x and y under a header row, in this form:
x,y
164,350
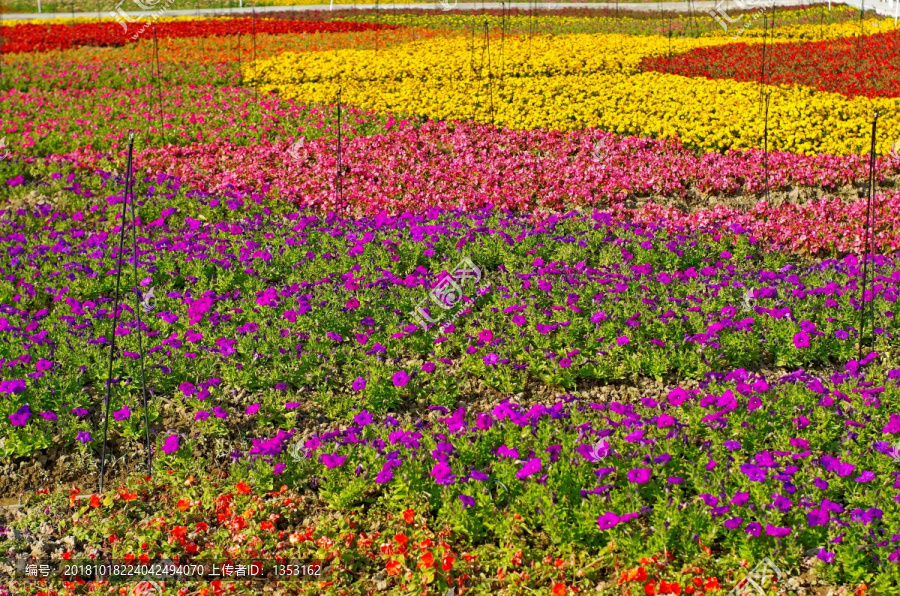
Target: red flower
x,y
427,559
401,539
243,488
393,567
559,589
183,504
650,588
447,563
669,588
44,38
517,558
266,525
95,501
409,516
712,583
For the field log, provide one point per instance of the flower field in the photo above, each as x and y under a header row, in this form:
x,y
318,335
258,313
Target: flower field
x,y
547,304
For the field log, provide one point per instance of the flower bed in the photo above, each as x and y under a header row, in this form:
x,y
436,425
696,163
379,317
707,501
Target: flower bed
x,y
47,38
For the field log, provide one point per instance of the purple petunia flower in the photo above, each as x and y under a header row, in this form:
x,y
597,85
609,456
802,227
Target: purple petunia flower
x,y
622,340
825,556
364,418
467,501
733,523
51,416
400,378
531,467
801,340
639,475
359,384
84,436
753,529
20,417
332,461
170,445
443,473
251,410
608,520
778,532
866,476
510,452
123,414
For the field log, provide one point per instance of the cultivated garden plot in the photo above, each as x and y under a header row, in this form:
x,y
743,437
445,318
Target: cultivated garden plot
x,y
443,302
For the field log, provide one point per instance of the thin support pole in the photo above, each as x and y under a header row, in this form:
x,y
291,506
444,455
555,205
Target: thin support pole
x,y
866,245
115,311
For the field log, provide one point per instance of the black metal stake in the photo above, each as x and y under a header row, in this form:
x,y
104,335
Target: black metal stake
x,y
338,183
487,49
868,225
115,311
158,85
255,82
137,310
766,145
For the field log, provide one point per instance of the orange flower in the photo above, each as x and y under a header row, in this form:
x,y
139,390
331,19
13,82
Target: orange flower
x,y
712,583
501,573
558,563
669,588
637,574
95,501
559,589
393,567
447,563
861,591
183,504
469,558
517,558
243,488
409,516
427,559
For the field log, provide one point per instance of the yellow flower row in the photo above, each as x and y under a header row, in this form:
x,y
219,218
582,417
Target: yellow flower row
x,y
68,21
574,81
700,22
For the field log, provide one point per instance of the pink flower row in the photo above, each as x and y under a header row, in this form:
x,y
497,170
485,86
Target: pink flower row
x,y
471,166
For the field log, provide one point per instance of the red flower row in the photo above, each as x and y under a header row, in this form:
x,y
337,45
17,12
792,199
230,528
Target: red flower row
x,y
867,66
50,37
